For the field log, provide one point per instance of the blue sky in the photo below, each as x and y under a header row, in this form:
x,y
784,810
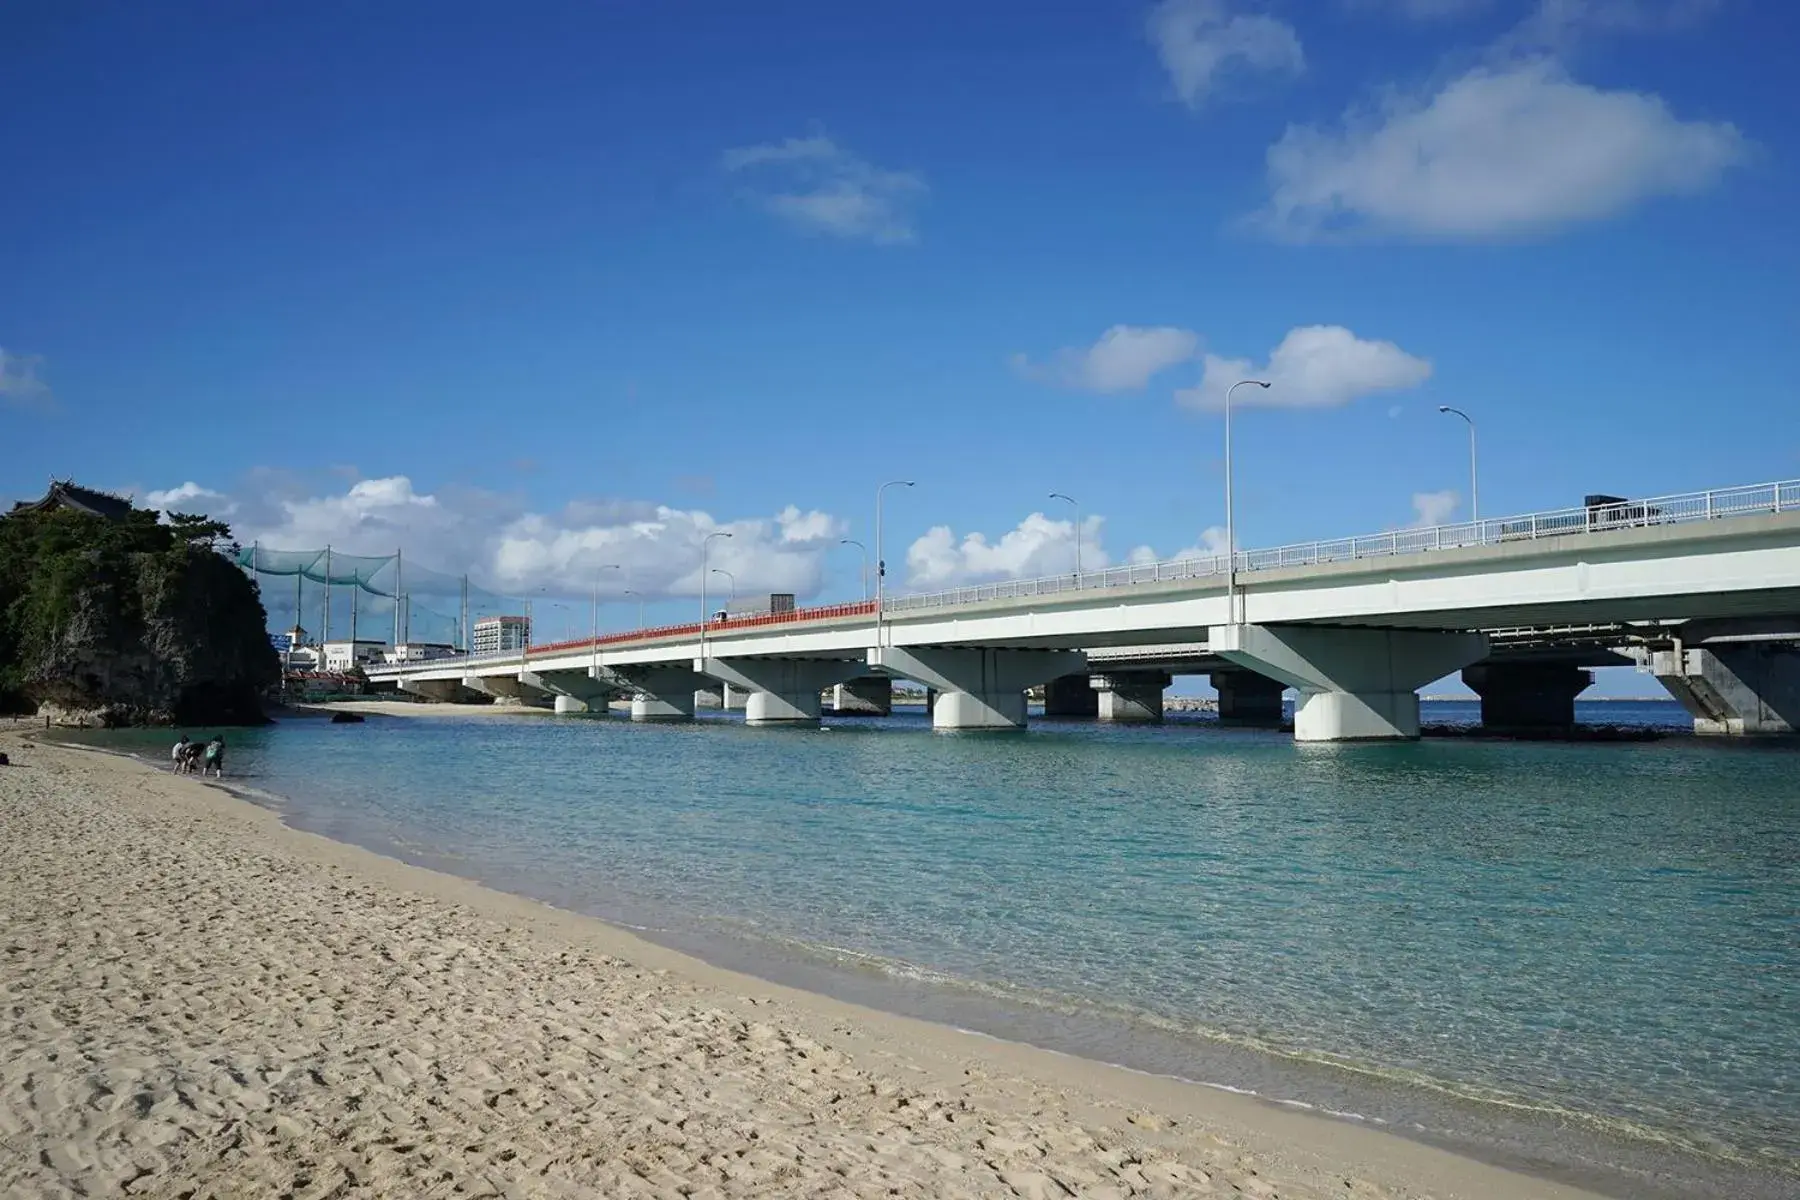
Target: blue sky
x,y
532,290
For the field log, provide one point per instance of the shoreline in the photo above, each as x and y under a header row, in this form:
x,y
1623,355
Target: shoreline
x,y
1302,1150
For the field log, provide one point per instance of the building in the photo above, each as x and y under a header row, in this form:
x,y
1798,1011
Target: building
x,y
346,655
495,635
407,652
66,494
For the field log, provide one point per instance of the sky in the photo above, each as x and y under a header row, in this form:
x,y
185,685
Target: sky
x,y
532,290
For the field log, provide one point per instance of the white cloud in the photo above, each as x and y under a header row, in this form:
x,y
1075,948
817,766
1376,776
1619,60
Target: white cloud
x,y
1499,152
1315,366
1039,546
1433,508
1123,359
1558,25
188,497
1211,544
20,386
1199,40
814,183
1426,10
506,548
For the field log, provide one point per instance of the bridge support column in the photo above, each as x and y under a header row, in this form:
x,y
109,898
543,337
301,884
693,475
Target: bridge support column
x,y
780,691
977,688
1248,699
1130,696
660,693
1527,695
439,691
1355,684
1747,689
1070,696
733,699
864,696
516,687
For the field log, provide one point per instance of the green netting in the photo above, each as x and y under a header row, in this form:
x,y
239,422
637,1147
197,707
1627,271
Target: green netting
x,y
324,566
375,597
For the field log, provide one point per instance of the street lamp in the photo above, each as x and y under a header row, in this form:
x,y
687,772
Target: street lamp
x,y
705,543
731,580
880,562
595,616
1072,500
1474,498
1230,520
640,597
864,577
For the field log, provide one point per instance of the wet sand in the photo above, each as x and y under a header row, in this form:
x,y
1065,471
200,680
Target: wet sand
x,y
197,1000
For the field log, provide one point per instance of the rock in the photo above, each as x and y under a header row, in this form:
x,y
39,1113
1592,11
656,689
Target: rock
x,y
346,718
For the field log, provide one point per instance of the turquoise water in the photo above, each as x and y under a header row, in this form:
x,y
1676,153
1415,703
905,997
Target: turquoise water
x,y
1582,957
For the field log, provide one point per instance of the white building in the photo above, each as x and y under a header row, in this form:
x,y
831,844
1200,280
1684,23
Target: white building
x,y
345,655
407,652
498,634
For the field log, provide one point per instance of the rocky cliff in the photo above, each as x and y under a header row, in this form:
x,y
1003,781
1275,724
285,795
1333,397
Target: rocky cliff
x,y
128,622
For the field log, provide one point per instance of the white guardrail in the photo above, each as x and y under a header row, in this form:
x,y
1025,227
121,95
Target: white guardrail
x,y
1685,508
1489,531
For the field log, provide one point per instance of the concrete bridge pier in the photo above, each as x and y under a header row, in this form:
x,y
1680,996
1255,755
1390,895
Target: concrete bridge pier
x,y
1070,696
977,688
779,691
660,693
1249,700
1130,696
519,688
1356,684
1527,695
574,692
1735,690
864,696
440,691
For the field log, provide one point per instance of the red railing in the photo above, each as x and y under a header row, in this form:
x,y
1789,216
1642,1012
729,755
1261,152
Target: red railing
x,y
822,612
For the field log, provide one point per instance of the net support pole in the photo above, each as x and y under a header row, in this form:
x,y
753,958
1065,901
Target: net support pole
x,y
462,628
399,590
325,625
353,592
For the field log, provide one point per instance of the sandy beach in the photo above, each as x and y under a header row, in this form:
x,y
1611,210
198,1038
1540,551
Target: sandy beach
x,y
197,1001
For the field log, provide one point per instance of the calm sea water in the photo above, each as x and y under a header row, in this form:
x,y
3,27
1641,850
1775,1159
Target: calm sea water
x,y
1582,958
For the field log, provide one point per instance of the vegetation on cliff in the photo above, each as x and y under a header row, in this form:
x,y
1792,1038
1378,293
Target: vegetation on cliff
x,y
129,621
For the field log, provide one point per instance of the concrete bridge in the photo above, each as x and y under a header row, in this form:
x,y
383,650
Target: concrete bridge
x,y
1356,625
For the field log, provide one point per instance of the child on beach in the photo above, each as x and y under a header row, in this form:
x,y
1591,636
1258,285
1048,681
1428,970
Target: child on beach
x,y
215,757
179,754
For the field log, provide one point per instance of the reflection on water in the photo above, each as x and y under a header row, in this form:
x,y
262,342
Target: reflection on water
x,y
1605,935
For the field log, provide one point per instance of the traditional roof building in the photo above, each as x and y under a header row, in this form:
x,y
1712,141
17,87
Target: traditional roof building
x,y
65,493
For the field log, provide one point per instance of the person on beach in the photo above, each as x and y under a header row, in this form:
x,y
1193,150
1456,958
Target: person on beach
x,y
215,757
179,754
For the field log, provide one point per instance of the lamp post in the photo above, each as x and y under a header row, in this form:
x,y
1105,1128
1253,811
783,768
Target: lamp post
x,y
864,576
595,616
705,617
1230,519
731,582
640,597
1077,506
1474,496
880,562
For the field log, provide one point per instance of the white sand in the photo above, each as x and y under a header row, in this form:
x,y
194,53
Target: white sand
x,y
197,1001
